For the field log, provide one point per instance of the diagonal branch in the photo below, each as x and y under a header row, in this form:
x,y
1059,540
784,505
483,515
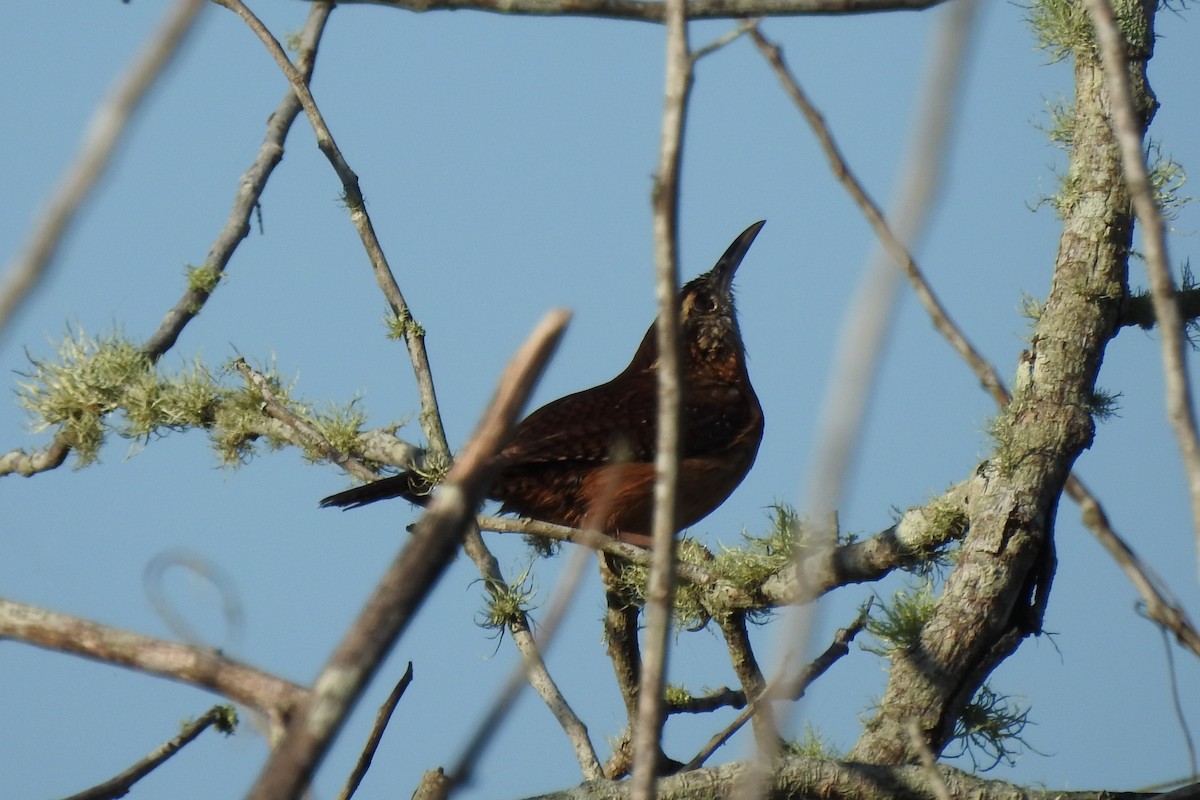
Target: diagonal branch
x,y
104,134
414,335
408,581
792,688
532,669
223,717
381,720
198,666
251,186
1128,124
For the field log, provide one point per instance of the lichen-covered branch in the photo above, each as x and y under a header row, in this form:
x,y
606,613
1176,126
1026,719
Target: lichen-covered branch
x,y
798,778
996,594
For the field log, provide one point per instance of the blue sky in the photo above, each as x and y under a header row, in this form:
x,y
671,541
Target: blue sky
x,y
507,165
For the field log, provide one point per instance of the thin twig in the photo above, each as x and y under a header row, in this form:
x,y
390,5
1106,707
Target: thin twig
x,y
724,39
251,185
414,337
305,433
382,717
408,581
791,689
1127,125
1161,605
1177,703
927,761
105,132
660,588
532,669
223,717
869,319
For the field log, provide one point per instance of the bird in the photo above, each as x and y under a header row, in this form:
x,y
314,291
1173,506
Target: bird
x,y
586,460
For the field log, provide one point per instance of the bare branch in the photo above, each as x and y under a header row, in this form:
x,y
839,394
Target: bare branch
x,y
197,666
223,717
1128,124
251,186
792,688
414,336
381,721
655,11
407,582
1161,604
660,589
104,134
532,669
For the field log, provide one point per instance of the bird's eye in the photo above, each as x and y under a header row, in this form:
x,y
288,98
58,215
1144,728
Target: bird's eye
x,y
704,302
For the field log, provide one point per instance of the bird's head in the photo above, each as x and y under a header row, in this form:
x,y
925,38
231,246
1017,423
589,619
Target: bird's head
x,y
707,316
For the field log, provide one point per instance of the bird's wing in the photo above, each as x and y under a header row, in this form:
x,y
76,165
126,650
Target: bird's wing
x,y
585,427
589,426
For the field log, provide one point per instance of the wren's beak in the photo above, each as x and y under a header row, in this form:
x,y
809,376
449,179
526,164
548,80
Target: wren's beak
x,y
727,265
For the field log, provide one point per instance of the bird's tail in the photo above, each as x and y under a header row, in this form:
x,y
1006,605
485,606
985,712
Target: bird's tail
x,y
412,487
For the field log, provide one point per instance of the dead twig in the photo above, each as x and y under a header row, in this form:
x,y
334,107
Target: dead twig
x,y
382,717
223,717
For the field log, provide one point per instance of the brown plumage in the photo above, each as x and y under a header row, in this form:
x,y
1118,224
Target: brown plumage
x,y
595,448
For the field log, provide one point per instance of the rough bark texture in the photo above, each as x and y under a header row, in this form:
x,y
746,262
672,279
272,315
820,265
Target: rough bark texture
x,y
996,594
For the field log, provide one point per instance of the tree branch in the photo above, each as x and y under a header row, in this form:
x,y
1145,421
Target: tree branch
x,y
532,669
414,336
203,667
791,688
1129,122
660,586
655,10
105,132
223,717
996,594
251,186
798,778
407,582
381,721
